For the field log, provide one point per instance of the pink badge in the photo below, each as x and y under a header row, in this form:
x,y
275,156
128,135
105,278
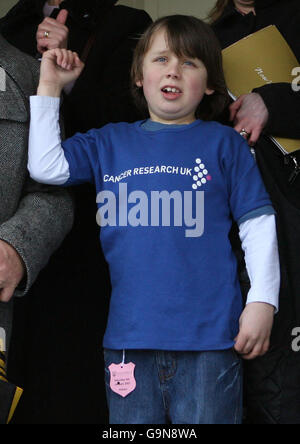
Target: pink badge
x,y
122,380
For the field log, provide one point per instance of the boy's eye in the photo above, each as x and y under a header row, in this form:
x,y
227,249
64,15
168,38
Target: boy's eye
x,y
161,59
189,63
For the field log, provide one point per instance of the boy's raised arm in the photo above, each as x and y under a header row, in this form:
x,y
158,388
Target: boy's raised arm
x,y
58,68
46,160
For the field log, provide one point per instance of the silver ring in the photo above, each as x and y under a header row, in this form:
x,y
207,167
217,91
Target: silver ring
x,y
46,34
244,133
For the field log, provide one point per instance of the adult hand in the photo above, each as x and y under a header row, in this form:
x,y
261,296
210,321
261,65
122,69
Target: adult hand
x,y
256,323
58,68
250,113
12,270
58,33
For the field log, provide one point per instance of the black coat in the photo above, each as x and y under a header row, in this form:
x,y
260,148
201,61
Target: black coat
x,y
56,353
101,94
273,381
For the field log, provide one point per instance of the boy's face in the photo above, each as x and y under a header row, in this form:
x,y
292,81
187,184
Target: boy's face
x,y
186,77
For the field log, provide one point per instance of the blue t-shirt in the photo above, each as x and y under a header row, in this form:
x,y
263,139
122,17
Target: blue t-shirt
x,y
166,200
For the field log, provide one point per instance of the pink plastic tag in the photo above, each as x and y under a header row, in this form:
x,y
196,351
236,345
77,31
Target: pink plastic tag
x,y
122,380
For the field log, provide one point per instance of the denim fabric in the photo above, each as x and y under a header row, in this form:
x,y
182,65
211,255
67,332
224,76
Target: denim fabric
x,y
178,388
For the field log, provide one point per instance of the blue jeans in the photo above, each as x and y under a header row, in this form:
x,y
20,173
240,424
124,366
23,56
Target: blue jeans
x,y
178,388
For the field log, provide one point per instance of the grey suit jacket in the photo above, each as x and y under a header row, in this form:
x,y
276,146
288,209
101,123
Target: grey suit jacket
x,y
34,218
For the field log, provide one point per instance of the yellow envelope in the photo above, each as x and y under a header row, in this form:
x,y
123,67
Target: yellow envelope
x,y
259,59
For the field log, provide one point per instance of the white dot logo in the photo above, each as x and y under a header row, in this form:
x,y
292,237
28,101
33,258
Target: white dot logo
x,y
201,170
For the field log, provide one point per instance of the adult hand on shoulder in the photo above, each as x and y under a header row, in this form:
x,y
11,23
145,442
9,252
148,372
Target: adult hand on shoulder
x,y
56,30
12,270
256,323
249,113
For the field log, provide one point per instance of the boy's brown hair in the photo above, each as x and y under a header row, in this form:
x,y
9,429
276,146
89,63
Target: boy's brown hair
x,y
190,37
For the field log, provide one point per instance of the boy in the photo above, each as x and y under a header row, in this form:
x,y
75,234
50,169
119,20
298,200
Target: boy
x,y
168,188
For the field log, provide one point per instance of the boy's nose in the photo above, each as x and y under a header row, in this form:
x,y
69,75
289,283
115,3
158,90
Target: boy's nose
x,y
173,75
174,71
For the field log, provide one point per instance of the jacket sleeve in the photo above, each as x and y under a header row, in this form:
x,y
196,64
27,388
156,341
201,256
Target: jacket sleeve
x,y
35,231
283,104
43,218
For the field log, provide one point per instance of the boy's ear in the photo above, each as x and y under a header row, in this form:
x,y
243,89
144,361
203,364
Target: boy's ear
x,y
209,91
139,83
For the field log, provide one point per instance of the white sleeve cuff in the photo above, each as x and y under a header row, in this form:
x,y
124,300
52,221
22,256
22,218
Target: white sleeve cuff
x,y
45,102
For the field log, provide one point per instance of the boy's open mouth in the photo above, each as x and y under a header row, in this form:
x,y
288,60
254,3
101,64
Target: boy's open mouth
x,y
171,92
